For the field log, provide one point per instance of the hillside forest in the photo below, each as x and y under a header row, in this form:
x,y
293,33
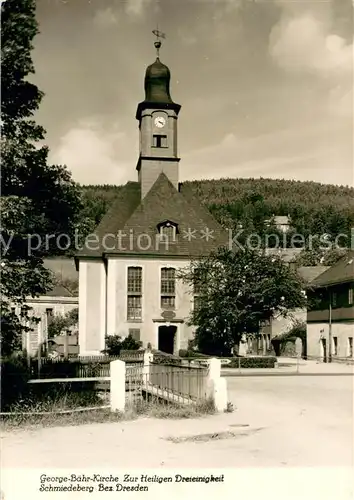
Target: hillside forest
x,y
248,205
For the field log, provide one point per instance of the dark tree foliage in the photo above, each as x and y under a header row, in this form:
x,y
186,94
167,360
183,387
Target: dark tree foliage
x,y
37,199
238,292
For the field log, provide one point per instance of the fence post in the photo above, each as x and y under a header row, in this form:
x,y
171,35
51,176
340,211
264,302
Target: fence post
x,y
148,358
217,387
117,386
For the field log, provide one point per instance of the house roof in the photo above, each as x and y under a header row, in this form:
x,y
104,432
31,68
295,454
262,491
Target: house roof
x,y
59,291
309,273
62,267
138,220
341,272
281,219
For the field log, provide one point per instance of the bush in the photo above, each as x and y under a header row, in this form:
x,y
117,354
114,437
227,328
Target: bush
x,y
14,380
253,362
114,344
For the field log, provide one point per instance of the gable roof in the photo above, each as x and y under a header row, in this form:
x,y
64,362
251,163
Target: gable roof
x,y
341,272
137,221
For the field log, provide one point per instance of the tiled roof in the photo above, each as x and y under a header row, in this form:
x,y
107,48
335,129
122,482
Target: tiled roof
x,y
309,273
127,200
138,221
341,272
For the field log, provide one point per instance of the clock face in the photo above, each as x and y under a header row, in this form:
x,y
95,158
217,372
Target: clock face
x,y
159,121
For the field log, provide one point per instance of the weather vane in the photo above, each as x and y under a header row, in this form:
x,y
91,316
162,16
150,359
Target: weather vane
x,y
157,43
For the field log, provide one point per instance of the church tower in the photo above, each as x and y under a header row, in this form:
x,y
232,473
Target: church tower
x,y
157,116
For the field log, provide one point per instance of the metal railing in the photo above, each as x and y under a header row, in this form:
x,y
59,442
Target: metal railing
x,y
188,382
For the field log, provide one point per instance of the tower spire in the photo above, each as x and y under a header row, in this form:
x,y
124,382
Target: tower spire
x,y
159,35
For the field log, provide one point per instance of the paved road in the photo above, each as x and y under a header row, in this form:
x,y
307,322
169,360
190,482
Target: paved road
x,y
307,420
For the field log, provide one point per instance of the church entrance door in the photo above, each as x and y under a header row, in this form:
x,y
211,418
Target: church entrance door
x,y
167,337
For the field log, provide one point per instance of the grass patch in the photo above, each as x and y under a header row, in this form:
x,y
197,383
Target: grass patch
x,y
47,413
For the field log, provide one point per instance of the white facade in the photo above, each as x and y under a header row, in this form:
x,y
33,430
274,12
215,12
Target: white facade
x,y
103,292
342,339
42,307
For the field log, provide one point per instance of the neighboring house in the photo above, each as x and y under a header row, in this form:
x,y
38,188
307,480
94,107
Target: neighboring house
x,y
281,222
60,300
127,272
333,310
280,325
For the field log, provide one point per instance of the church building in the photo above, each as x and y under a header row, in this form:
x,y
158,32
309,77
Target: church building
x,y
128,269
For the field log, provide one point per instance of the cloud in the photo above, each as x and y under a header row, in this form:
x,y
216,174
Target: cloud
x,y
136,8
93,155
293,153
302,45
105,17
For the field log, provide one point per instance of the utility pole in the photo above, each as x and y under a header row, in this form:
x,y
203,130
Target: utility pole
x,y
330,328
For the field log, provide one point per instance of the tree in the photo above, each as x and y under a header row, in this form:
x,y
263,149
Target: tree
x,y
237,292
320,257
62,323
37,199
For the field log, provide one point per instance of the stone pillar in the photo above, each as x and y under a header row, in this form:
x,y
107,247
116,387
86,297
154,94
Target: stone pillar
x,y
217,387
117,387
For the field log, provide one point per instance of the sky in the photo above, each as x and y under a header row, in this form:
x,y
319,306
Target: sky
x,y
266,86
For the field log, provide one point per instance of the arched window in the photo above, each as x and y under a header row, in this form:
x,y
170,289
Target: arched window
x,y
168,230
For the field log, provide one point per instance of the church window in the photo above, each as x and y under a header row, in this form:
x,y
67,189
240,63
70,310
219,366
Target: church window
x,y
134,290
168,230
196,292
159,141
168,288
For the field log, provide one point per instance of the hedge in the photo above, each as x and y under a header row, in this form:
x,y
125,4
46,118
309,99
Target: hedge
x,y
252,362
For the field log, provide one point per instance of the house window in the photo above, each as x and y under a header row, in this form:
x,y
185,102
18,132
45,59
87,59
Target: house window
x,y
196,302
168,288
135,333
334,299
335,346
49,315
134,291
350,296
350,347
159,141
